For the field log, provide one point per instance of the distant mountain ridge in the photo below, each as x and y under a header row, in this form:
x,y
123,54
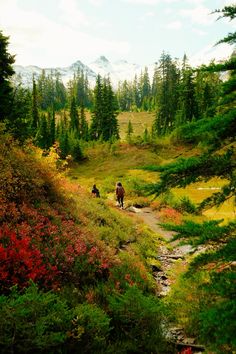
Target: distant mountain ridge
x,y
119,70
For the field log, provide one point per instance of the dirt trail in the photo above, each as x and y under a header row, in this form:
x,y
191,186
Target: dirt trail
x,y
167,253
164,274
151,219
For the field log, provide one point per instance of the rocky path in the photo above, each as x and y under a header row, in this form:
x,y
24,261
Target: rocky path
x,y
168,253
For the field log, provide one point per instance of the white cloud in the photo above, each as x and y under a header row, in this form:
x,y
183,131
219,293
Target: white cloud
x,y
199,15
174,25
40,41
211,52
96,2
146,16
195,2
71,15
199,32
149,2
145,2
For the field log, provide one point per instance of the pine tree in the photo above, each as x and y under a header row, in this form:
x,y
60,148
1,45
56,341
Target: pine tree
x,y
167,96
84,131
110,122
124,96
187,105
60,93
64,144
35,113
136,94
156,84
97,112
104,125
52,127
20,114
74,117
146,135
42,138
129,131
145,90
6,71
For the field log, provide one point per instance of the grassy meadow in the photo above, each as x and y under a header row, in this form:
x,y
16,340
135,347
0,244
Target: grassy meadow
x,y
139,120
106,163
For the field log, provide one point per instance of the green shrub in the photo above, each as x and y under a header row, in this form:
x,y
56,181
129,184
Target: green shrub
x,y
186,205
90,328
33,321
136,321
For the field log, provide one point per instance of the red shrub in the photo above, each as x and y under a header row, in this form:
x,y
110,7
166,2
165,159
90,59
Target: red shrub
x,y
21,261
170,215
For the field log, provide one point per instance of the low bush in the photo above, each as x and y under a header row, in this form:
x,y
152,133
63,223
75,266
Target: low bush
x,y
136,321
33,321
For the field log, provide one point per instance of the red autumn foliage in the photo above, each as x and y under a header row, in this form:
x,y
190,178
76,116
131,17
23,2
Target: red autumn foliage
x,y
171,215
39,238
21,261
47,247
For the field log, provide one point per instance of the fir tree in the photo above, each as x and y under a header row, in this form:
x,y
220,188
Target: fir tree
x,y
74,117
110,122
84,131
167,96
6,71
52,127
97,112
42,138
20,114
129,131
64,144
35,113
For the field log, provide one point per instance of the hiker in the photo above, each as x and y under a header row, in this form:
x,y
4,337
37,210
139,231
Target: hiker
x,y
120,192
95,192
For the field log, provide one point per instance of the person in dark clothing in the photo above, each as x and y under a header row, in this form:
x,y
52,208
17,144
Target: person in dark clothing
x,y
95,192
120,193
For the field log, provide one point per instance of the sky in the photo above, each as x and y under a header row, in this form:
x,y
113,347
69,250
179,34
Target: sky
x,y
51,33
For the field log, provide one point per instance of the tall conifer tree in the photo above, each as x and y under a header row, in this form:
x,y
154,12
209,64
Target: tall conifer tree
x,y
35,109
6,71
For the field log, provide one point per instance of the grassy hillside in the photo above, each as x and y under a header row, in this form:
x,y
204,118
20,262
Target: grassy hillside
x,y
139,120
80,270
81,260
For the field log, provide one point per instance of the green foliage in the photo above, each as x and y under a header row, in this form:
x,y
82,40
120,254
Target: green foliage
x,y
182,172
6,71
51,91
210,304
218,325
33,321
91,327
104,125
202,233
35,110
129,132
208,131
186,205
20,114
137,322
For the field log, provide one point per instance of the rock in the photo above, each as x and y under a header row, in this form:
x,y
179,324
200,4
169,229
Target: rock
x,y
132,209
185,249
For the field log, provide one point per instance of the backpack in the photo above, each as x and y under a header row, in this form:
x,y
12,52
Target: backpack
x,y
120,191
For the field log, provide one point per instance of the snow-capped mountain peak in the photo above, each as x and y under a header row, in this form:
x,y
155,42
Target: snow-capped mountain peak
x,y
119,70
